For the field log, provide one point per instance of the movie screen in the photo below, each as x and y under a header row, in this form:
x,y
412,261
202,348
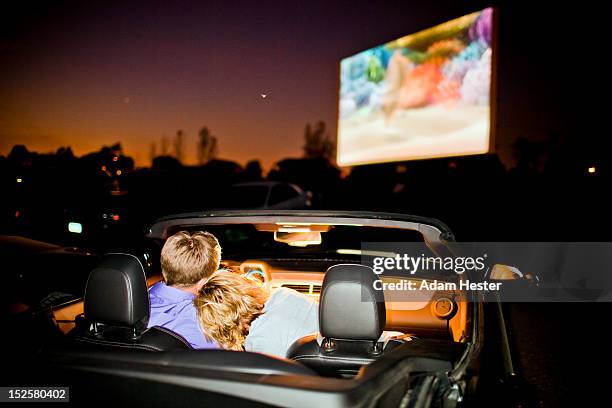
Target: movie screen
x,y
421,96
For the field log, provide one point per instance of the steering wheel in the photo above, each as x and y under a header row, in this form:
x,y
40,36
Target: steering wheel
x,y
257,271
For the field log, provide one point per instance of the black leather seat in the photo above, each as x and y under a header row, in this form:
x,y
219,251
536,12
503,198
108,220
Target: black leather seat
x,y
117,310
352,317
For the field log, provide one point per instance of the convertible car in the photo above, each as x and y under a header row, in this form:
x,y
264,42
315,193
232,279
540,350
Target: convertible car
x,y
453,348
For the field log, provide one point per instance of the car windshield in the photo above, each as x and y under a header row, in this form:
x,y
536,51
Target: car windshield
x,y
339,243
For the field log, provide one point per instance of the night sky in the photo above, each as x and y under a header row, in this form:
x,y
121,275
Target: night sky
x,y
86,75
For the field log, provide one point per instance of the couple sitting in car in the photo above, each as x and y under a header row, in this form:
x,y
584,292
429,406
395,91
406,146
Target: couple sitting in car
x,y
214,308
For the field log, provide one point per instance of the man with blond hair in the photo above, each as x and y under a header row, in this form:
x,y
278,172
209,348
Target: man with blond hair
x,y
187,261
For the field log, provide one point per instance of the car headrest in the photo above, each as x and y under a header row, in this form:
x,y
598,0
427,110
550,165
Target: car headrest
x,y
116,292
350,308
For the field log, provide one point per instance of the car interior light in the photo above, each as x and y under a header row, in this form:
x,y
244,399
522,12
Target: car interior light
x,y
293,229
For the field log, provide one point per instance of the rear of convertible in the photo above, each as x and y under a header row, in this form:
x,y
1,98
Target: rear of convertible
x,y
285,249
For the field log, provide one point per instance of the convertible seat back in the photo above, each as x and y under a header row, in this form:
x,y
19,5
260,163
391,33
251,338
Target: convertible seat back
x,y
352,317
117,310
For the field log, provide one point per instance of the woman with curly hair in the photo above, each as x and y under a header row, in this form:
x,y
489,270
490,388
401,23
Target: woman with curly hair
x,y
238,314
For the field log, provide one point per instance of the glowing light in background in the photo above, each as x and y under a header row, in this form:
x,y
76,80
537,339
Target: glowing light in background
x,y
75,227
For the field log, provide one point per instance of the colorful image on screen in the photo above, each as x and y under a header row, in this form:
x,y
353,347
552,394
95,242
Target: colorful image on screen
x,y
421,96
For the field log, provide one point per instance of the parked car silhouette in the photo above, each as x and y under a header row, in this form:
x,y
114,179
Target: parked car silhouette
x,y
266,195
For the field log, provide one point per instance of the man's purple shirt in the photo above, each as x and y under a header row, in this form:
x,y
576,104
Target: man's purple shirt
x,y
173,309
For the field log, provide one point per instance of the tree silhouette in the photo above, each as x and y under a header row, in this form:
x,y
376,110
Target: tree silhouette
x,y
65,152
178,145
164,145
152,150
317,142
207,146
253,171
